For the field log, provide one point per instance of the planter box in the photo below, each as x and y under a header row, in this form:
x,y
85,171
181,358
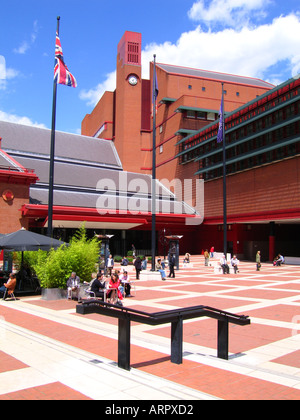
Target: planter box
x,y
54,294
150,275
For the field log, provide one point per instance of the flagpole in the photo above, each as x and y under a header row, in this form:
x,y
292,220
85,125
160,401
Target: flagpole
x,y
153,240
52,154
224,179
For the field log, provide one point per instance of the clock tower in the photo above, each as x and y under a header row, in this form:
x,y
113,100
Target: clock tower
x,y
128,101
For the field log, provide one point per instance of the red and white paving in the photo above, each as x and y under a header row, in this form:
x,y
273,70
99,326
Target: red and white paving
x,y
47,351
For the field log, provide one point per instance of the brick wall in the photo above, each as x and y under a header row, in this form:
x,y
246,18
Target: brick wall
x,y
10,214
268,188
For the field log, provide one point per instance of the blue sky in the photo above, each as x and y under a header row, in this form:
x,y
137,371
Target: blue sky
x,y
257,38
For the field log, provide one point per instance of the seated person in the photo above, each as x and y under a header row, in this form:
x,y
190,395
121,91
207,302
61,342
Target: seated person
x,y
9,286
113,292
278,261
98,285
159,268
224,265
235,262
124,262
125,282
144,263
73,285
187,258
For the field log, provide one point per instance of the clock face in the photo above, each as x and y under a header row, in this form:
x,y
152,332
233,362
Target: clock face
x,y
132,80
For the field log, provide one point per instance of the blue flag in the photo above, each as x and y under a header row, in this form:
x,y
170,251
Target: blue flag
x,y
221,114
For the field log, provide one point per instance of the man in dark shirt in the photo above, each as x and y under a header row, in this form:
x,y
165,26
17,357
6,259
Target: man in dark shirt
x,y
98,286
172,265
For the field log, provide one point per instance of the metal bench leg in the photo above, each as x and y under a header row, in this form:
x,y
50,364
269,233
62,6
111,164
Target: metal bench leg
x,y
176,341
223,339
124,344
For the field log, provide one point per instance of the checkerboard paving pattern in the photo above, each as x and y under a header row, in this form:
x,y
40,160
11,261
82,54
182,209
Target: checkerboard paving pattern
x,y
47,351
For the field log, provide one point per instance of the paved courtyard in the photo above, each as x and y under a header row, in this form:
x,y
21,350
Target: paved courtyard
x,y
47,351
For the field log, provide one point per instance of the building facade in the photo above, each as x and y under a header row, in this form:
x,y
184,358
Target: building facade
x,y
90,187
103,177
263,173
262,147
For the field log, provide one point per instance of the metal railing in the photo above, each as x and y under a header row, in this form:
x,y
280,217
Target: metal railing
x,y
175,317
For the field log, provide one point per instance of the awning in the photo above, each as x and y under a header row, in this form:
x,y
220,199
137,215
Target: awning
x,y
102,222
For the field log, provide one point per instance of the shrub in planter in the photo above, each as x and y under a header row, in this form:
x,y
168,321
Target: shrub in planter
x,y
55,267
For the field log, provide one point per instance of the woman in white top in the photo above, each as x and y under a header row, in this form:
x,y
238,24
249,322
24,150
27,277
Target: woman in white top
x,y
125,281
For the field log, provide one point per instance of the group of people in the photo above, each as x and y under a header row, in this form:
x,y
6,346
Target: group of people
x,y
278,261
234,262
139,264
161,266
119,284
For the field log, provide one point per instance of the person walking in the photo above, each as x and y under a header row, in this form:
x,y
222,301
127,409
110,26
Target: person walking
x,y
172,266
258,261
110,264
138,267
206,258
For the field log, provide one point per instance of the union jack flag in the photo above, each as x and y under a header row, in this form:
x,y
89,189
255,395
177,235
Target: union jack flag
x,y
62,74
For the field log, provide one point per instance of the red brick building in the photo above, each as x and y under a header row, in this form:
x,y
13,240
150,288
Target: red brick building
x,y
262,146
15,181
263,181
106,171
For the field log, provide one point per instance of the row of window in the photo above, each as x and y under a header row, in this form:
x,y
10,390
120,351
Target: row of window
x,y
204,90
268,120
201,115
255,161
262,134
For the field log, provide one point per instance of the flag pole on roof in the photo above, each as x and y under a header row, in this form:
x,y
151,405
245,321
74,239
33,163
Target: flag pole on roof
x,y
64,77
154,96
221,138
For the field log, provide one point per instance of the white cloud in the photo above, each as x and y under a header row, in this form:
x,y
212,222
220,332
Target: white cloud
x,y
4,116
251,50
93,95
23,48
235,13
6,73
2,68
247,52
26,45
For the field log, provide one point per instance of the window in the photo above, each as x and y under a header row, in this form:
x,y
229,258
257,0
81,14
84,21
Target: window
x,y
190,114
211,116
200,115
161,148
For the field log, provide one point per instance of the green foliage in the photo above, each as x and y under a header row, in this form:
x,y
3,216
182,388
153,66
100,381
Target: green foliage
x,y
55,267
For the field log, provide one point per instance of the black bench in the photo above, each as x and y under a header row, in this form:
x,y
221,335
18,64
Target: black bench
x,y
175,317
